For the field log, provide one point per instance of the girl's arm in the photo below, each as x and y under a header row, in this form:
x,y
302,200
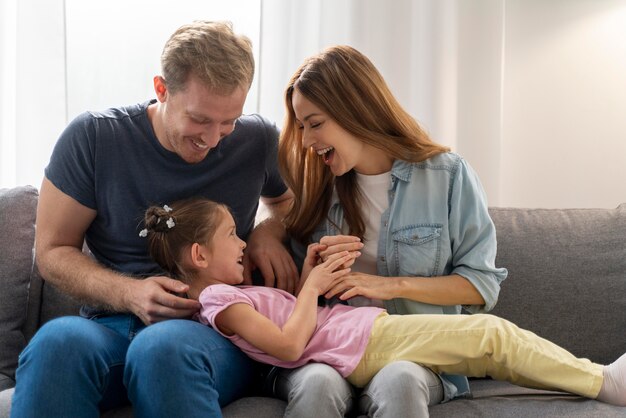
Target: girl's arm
x,y
286,343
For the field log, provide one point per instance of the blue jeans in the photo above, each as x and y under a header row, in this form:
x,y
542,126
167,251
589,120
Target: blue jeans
x,y
77,367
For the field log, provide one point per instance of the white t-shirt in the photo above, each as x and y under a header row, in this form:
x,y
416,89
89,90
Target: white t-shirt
x,y
374,191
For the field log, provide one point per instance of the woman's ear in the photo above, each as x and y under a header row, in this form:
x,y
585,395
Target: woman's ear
x,y
199,255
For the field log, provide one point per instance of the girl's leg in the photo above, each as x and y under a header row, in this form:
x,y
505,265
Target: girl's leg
x,y
477,346
613,391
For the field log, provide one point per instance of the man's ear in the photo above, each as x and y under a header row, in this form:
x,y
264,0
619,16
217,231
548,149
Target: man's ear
x,y
160,88
199,255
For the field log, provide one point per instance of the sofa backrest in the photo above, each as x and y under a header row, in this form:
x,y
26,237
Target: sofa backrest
x,y
17,226
567,276
26,302
45,302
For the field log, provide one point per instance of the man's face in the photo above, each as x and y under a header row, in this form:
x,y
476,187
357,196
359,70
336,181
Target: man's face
x,y
195,119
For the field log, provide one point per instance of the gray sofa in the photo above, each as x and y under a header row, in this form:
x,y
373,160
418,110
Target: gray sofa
x,y
567,282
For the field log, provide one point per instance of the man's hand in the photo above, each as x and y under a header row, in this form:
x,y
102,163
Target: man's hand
x,y
155,299
266,252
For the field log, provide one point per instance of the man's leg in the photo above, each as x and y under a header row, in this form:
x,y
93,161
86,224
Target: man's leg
x,y
314,390
401,389
181,368
71,368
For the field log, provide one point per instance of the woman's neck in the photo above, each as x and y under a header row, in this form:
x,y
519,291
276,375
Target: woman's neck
x,y
374,162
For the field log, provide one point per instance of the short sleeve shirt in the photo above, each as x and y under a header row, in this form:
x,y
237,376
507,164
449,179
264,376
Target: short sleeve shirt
x,y
339,340
112,162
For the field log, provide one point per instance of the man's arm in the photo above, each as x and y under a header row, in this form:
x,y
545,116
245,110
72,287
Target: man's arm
x,y
61,226
266,250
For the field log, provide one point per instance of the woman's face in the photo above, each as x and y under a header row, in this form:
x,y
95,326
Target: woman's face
x,y
340,150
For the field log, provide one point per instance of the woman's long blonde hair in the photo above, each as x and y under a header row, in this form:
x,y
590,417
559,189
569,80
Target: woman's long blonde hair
x,y
346,86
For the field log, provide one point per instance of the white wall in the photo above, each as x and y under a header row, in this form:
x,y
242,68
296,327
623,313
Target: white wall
x,y
564,101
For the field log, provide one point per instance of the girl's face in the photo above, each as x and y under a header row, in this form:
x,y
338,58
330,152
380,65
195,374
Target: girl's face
x,y
340,150
224,261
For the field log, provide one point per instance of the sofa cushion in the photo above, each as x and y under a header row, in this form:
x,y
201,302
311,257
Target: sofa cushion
x,y
567,276
493,399
17,223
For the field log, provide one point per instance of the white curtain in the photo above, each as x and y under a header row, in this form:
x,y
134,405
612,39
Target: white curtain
x,y
531,92
32,82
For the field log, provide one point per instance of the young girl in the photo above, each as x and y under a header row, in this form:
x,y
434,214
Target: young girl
x,y
196,241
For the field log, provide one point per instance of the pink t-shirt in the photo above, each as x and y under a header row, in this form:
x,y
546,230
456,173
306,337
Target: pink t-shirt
x,y
339,339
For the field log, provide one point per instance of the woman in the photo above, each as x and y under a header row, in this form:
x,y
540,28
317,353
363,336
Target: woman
x,y
368,178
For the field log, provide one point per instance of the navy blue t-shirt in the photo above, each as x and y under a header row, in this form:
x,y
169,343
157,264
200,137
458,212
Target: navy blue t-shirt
x,y
112,162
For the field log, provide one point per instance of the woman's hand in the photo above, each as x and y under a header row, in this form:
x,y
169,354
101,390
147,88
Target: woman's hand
x,y
361,284
338,243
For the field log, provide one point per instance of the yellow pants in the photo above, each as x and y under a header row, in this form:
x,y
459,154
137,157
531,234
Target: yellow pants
x,y
476,346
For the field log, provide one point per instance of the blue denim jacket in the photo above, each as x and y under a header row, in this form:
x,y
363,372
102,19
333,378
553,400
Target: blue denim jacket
x,y
437,224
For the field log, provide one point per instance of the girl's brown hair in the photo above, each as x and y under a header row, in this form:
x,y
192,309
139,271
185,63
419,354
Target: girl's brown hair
x,y
346,86
172,229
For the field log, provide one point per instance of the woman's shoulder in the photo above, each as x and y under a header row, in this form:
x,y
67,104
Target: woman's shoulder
x,y
448,161
445,159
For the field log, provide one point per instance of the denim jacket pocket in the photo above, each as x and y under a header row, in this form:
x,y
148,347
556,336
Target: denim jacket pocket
x,y
417,249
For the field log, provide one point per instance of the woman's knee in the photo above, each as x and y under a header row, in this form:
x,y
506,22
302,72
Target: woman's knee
x,y
400,375
302,388
403,389
315,381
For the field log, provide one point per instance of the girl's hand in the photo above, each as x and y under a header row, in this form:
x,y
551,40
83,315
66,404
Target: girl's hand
x,y
323,275
312,259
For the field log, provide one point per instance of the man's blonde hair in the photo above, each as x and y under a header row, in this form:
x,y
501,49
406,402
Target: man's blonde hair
x,y
211,51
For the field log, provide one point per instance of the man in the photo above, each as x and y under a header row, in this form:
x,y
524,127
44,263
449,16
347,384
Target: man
x,y
134,340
